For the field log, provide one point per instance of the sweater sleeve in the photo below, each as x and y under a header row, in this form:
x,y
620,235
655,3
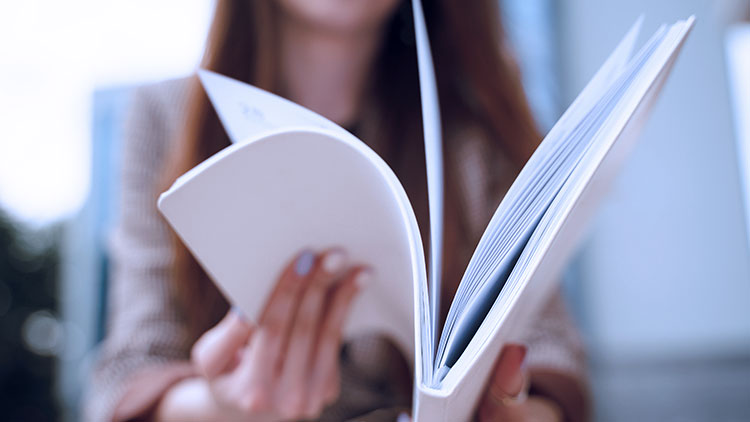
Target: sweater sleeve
x,y
554,342
145,330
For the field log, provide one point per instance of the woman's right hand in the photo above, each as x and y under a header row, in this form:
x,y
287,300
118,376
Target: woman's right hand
x,y
286,366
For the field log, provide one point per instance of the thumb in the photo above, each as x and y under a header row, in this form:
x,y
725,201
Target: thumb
x,y
218,347
506,383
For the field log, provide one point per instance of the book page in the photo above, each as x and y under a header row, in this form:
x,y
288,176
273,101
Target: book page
x,y
434,163
584,160
608,143
245,211
521,210
246,111
738,66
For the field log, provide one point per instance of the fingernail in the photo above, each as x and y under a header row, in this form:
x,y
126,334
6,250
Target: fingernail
x,y
523,350
523,358
519,354
238,312
403,417
519,379
363,278
334,261
304,263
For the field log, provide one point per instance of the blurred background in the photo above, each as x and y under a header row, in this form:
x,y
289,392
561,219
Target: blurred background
x,y
660,287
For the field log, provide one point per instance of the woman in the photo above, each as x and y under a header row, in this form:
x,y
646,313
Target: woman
x,y
175,352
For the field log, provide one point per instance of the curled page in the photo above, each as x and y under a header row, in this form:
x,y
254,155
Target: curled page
x,y
246,111
434,163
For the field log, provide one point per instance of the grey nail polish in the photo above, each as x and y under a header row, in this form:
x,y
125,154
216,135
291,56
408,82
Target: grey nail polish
x,y
403,417
237,311
304,263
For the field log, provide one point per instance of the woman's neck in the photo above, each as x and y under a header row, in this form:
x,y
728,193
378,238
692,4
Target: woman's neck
x,y
326,71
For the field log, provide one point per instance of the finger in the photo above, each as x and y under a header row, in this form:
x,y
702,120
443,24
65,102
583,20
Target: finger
x,y
292,389
217,348
543,409
508,377
255,377
506,382
278,314
324,379
249,387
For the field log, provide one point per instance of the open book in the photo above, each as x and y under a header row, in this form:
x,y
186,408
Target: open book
x,y
293,179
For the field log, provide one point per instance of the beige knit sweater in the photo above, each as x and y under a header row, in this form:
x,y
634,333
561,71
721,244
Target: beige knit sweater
x,y
147,334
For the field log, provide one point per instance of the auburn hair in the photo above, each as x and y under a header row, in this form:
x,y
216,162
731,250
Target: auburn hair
x,y
479,87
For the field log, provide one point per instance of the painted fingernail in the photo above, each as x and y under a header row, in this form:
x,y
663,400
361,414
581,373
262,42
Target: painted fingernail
x,y
238,312
334,261
519,380
304,263
403,417
363,278
523,351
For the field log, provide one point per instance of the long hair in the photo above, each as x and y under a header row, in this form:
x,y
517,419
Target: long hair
x,y
478,84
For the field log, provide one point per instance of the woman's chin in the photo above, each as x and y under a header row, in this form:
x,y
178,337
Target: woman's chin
x,y
340,16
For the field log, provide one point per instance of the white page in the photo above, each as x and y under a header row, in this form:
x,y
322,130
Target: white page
x,y
434,164
738,67
577,110
610,146
498,252
530,284
582,105
246,111
244,212
274,186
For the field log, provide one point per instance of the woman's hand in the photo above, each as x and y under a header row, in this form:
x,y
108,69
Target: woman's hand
x,y
286,367
505,397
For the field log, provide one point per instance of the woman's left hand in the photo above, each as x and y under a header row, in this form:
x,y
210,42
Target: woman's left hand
x,y
505,398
